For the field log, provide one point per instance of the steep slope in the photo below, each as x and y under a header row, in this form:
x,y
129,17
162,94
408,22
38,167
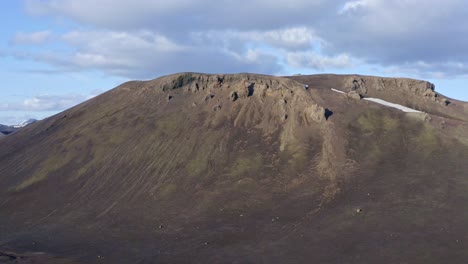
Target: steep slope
x,y
237,168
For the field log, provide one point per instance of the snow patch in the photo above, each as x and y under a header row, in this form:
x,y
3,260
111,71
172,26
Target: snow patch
x,y
338,91
383,102
25,123
397,106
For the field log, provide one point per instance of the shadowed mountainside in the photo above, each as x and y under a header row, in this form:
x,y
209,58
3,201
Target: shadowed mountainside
x,y
5,130
242,168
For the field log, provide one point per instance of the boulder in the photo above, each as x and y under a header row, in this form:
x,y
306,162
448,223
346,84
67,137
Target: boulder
x,y
354,95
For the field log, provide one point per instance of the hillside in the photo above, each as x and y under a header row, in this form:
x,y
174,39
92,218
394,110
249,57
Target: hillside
x,y
241,168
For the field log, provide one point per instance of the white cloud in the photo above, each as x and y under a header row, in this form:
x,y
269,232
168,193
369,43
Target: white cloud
x,y
255,57
180,14
103,40
317,61
40,106
353,5
111,50
95,11
38,37
145,54
14,118
426,70
48,102
287,38
146,38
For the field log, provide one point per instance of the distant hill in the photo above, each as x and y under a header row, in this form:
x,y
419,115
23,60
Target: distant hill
x,y
5,130
246,168
25,123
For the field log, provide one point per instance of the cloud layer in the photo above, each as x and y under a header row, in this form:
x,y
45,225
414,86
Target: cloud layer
x,y
34,38
47,102
145,38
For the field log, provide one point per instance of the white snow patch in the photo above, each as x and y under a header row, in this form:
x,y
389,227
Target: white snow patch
x,y
397,106
383,102
338,91
25,123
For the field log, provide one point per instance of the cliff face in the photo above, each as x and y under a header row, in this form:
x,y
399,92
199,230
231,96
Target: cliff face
x,y
415,90
417,94
248,168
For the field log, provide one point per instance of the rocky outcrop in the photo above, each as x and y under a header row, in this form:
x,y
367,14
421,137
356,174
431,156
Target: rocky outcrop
x,y
433,96
354,95
316,113
234,96
415,94
369,85
363,84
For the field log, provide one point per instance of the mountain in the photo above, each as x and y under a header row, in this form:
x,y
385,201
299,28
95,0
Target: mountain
x,y
246,168
5,130
25,123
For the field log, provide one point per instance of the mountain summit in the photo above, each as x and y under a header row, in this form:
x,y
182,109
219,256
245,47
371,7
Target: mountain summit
x,y
242,168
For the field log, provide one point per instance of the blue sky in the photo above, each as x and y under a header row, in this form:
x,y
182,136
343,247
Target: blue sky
x,y
57,53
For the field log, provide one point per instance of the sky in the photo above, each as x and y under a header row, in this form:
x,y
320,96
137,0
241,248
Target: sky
x,y
57,53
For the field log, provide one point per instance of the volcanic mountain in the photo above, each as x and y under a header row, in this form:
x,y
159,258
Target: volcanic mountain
x,y
197,168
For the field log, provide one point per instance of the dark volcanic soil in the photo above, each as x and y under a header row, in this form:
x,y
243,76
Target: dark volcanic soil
x,y
195,168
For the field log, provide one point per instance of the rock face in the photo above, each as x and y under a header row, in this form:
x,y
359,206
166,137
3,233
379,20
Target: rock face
x,y
417,87
416,94
421,89
241,168
234,96
354,95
